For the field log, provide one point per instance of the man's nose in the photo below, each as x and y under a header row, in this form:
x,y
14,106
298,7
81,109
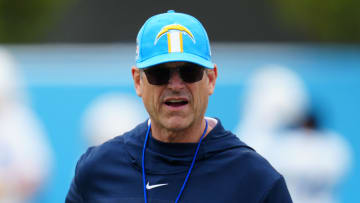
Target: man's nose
x,y
175,80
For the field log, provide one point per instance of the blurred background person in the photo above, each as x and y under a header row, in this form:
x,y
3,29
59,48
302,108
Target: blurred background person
x,y
313,159
278,124
275,99
110,115
25,155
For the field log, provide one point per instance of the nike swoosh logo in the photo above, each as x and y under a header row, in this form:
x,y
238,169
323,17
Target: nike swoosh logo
x,y
149,187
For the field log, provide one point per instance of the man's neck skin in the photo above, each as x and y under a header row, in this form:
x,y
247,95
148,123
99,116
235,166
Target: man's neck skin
x,y
189,135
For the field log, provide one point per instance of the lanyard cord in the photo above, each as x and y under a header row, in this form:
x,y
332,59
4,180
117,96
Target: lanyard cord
x,y
143,161
190,169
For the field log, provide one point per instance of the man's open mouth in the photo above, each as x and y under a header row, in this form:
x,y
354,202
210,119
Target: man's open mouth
x,y
176,102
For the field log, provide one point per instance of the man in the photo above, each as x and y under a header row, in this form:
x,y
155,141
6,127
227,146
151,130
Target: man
x,y
178,155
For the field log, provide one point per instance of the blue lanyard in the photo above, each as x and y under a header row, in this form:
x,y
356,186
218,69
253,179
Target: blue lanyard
x,y
190,169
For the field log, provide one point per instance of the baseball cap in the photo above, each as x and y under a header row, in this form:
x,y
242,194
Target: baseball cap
x,y
170,37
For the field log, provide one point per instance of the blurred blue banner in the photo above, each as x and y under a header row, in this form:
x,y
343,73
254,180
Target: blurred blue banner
x,y
62,81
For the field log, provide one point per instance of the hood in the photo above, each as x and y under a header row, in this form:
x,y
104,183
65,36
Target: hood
x,y
172,158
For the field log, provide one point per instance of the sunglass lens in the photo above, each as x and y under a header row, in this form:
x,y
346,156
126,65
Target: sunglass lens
x,y
191,72
157,75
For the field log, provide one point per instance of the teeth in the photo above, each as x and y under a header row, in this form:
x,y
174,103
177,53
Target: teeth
x,y
175,100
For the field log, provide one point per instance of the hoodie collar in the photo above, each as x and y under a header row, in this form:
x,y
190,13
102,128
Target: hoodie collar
x,y
175,157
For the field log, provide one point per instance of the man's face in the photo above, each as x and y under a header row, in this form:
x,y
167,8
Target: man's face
x,y
177,105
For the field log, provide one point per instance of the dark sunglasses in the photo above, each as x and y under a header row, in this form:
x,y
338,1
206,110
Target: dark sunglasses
x,y
160,74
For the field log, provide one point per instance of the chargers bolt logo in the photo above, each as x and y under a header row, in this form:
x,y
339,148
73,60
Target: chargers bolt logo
x,y
174,34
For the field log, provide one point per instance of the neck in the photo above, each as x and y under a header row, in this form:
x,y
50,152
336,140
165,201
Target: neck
x,y
191,134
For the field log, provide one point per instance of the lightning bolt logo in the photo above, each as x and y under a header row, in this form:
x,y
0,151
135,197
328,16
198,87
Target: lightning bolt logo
x,y
174,34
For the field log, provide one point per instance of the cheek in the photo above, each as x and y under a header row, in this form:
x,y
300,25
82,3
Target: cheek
x,y
200,95
151,99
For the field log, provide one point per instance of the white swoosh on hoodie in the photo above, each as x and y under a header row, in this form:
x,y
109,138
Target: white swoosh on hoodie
x,y
149,187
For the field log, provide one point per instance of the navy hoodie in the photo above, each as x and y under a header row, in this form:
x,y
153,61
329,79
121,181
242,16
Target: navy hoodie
x,y
226,171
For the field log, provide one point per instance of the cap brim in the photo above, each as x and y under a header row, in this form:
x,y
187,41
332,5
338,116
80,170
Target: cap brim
x,y
172,57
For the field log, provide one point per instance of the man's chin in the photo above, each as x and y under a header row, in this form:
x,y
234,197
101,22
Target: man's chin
x,y
176,123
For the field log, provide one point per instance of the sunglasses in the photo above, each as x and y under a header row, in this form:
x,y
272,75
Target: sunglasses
x,y
160,74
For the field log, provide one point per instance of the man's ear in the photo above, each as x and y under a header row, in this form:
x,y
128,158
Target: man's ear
x,y
135,72
212,75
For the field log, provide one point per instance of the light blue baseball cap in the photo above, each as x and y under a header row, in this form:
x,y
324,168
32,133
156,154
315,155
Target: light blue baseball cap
x,y
170,37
